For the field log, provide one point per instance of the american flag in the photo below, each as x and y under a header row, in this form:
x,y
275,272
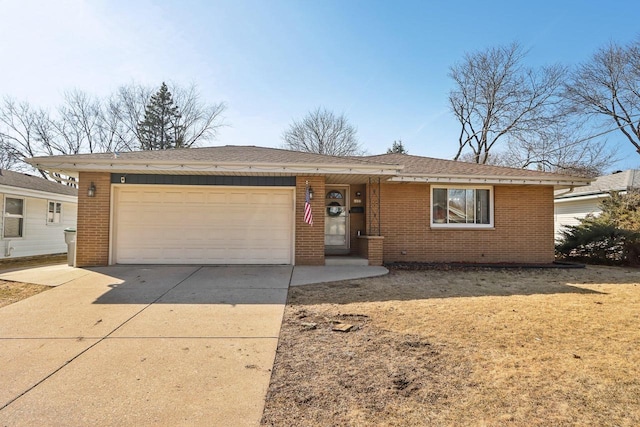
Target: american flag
x,y
308,216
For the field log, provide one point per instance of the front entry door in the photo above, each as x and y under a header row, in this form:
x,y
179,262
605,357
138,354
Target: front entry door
x,y
336,224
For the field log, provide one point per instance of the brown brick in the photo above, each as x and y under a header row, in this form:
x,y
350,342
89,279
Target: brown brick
x,y
92,240
310,239
522,233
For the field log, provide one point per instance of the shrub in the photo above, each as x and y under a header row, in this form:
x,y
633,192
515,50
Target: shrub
x,y
600,243
613,237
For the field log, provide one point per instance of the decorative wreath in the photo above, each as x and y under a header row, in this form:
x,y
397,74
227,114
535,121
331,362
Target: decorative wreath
x,y
331,209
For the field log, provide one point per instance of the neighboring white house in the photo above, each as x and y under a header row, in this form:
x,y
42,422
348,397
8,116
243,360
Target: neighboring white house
x,y
571,206
35,213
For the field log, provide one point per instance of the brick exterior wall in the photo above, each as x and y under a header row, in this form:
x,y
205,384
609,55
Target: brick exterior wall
x,y
371,247
92,237
310,239
522,233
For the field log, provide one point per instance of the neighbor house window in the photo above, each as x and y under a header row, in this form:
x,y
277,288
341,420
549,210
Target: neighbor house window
x,y
13,221
461,206
54,213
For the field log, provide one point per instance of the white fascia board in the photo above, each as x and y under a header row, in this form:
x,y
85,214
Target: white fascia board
x,y
585,197
72,169
27,192
491,180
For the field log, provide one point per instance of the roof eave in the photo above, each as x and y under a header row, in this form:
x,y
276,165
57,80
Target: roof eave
x,y
73,168
493,180
38,194
590,195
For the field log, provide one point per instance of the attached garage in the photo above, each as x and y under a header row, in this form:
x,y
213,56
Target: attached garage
x,y
184,224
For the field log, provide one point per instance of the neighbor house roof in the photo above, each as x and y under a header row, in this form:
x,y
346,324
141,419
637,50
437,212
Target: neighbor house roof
x,y
251,160
21,180
618,181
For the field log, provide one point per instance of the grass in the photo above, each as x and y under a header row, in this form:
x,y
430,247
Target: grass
x,y
11,292
34,261
451,347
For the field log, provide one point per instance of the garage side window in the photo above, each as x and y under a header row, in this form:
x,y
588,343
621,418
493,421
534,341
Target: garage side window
x,y
13,221
54,213
463,207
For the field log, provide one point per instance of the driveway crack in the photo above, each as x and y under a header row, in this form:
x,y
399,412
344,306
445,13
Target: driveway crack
x,y
97,342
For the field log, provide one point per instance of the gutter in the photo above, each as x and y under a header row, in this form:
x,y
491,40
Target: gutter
x,y
491,180
212,167
37,194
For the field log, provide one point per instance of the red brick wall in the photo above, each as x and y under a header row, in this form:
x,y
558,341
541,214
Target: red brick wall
x,y
522,233
371,247
92,238
310,239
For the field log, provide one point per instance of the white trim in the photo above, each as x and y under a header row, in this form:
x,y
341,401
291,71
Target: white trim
x,y
489,180
53,223
23,217
149,166
27,192
465,226
586,197
293,235
347,206
113,223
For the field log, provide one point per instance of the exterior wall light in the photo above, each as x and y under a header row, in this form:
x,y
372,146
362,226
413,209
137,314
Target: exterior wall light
x,y
91,192
309,189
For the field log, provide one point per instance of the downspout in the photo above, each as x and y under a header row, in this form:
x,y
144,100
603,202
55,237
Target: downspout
x,y
8,249
565,193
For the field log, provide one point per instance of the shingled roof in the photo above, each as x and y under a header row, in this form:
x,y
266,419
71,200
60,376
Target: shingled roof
x,y
417,165
222,154
254,160
30,182
619,181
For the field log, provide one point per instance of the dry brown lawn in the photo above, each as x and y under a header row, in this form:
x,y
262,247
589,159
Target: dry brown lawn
x,y
11,292
456,347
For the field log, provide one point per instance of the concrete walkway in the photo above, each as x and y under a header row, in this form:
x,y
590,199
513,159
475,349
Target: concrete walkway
x,y
144,345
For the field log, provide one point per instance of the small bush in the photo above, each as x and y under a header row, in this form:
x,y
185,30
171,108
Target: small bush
x,y
600,244
613,237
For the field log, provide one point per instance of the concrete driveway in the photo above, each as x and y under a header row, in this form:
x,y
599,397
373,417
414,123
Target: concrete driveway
x,y
161,345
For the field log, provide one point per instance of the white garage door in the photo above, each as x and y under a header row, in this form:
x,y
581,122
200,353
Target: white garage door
x,y
202,225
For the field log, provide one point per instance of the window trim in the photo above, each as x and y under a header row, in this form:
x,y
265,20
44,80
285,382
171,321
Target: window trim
x,y
465,226
5,215
55,204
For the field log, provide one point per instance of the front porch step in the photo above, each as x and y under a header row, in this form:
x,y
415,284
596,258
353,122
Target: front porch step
x,y
345,260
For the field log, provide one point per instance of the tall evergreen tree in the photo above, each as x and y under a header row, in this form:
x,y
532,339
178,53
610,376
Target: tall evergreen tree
x,y
397,148
161,128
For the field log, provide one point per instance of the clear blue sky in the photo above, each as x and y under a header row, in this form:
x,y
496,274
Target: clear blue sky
x,y
383,64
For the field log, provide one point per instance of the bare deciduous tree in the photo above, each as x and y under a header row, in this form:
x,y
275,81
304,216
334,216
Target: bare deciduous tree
x,y
24,131
562,148
78,121
608,86
87,124
7,157
322,132
128,106
198,121
497,98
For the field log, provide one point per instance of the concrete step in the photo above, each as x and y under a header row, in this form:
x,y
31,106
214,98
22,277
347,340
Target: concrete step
x,y
345,260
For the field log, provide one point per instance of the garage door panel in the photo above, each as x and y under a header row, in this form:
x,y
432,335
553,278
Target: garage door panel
x,y
205,226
